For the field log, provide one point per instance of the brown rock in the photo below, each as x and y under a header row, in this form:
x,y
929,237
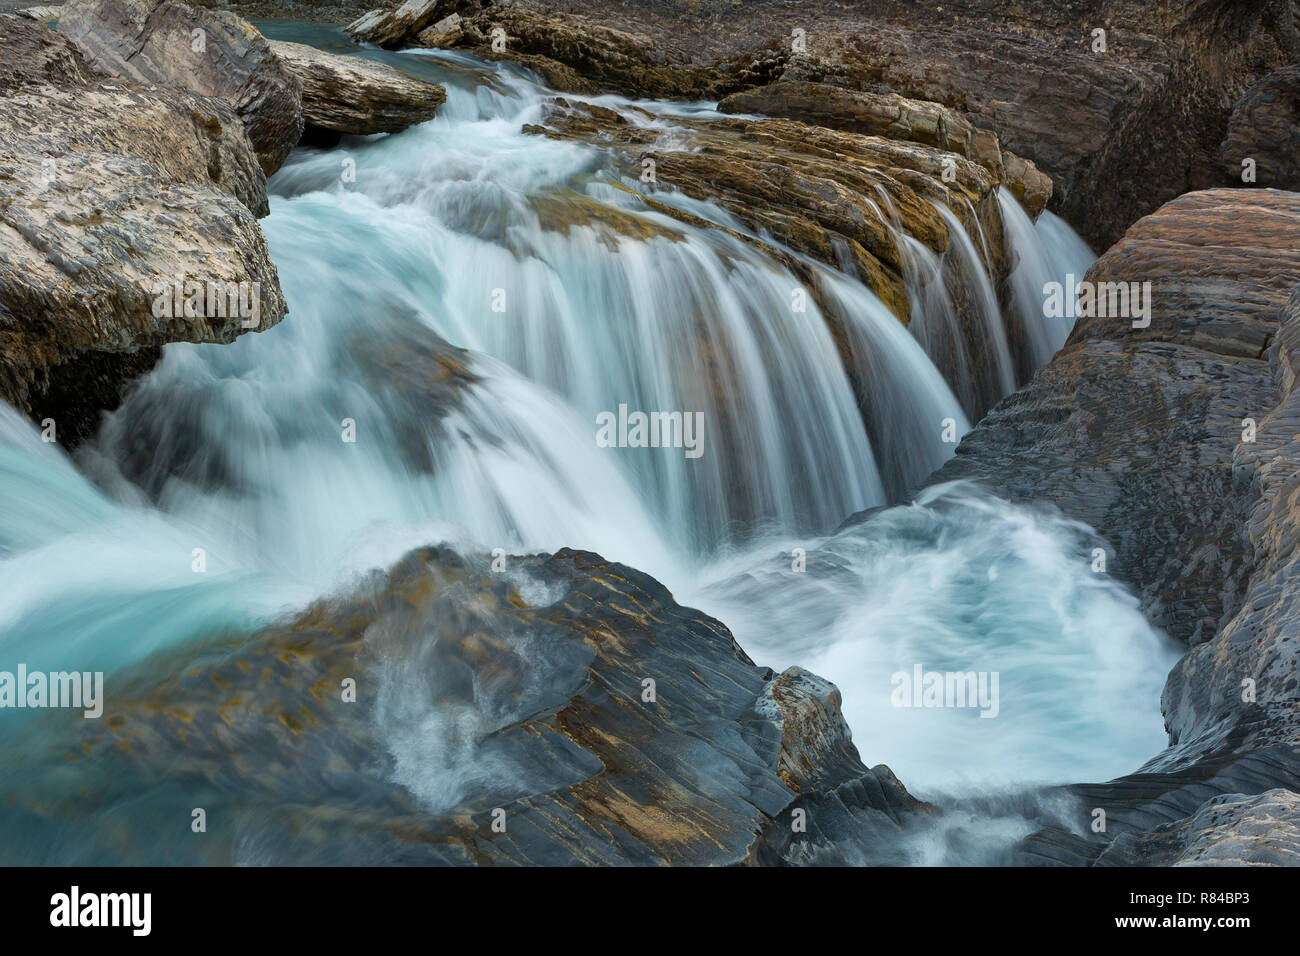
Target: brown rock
x,y
1118,131
348,94
110,189
212,52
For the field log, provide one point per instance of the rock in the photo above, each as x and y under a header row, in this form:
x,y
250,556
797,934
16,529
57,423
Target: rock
x,y
1239,830
390,27
1180,444
347,94
896,117
212,52
446,32
568,697
1120,123
109,189
1265,127
41,14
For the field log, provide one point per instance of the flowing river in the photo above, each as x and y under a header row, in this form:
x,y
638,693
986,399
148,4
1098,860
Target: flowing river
x,y
292,461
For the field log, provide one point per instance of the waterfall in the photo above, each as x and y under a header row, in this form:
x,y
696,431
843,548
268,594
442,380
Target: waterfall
x,y
1045,251
467,303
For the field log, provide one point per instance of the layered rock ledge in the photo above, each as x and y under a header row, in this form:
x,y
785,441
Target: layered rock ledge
x,y
347,94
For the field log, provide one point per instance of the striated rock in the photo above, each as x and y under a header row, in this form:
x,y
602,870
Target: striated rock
x,y
1252,831
567,697
1118,128
896,117
1179,442
109,189
212,52
345,94
1265,127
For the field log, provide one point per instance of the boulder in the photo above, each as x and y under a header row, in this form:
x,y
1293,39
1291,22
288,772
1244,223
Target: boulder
x,y
564,711
391,27
348,94
212,52
111,192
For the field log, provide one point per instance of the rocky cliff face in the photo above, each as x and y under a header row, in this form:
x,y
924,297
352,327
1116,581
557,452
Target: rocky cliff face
x,y
576,712
112,194
1121,121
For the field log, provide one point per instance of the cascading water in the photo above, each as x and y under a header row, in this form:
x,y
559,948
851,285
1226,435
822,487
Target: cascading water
x,y
570,299
1046,251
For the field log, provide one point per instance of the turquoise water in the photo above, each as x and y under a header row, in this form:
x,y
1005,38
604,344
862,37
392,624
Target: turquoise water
x,y
237,453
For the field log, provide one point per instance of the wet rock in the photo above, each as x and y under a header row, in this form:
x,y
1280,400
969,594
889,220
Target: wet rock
x,y
212,52
109,189
1265,128
566,699
345,94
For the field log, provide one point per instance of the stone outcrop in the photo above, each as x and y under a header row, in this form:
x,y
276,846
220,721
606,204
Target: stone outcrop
x,y
347,94
212,52
1265,128
1120,122
565,699
1178,442
110,188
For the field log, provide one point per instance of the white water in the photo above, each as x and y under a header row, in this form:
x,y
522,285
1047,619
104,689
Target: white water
x,y
238,450
1047,251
